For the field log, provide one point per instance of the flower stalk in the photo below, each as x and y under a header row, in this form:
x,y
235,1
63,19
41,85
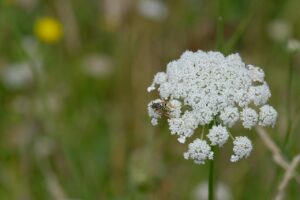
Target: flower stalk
x,y
211,179
219,44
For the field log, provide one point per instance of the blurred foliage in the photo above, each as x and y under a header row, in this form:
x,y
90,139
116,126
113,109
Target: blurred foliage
x,y
73,114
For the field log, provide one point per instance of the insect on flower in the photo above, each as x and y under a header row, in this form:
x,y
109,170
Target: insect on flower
x,y
158,108
162,107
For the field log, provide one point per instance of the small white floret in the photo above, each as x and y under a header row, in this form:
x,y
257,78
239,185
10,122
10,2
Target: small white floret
x,y
242,148
229,116
260,94
160,78
184,127
150,88
267,116
154,121
249,118
256,73
218,135
199,151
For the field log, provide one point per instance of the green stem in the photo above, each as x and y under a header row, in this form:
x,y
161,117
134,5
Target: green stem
x,y
219,46
231,136
211,179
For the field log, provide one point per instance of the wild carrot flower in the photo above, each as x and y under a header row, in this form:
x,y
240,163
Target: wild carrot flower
x,y
48,30
214,91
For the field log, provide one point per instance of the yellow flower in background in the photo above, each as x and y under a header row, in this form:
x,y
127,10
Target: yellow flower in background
x,y
48,29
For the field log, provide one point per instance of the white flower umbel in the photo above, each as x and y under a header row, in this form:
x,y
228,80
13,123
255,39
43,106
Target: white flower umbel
x,y
242,148
267,116
205,88
218,135
199,151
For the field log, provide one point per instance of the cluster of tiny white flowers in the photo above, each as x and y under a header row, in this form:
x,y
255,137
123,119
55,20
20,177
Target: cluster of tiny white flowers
x,y
256,73
205,88
229,116
267,116
249,117
199,151
218,135
242,148
183,126
260,94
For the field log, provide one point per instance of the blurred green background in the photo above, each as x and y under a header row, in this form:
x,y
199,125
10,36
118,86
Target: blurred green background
x,y
73,98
